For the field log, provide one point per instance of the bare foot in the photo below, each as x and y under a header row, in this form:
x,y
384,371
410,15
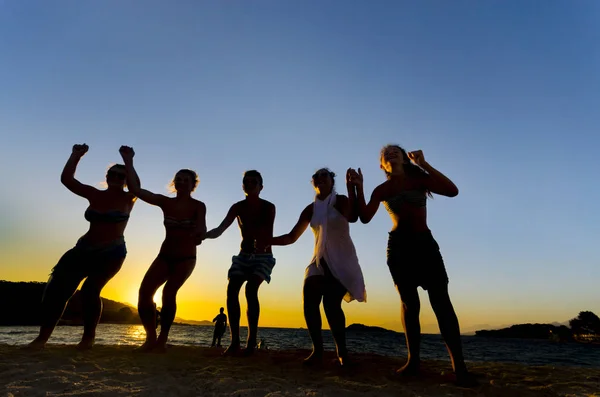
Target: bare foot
x,y
146,347
248,351
37,344
346,362
85,344
315,358
411,368
232,350
160,348
466,379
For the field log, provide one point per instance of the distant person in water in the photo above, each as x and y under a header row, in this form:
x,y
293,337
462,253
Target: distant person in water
x,y
185,224
220,325
97,256
334,273
413,255
254,263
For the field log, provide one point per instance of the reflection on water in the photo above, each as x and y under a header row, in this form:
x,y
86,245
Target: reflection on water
x,y
135,332
532,352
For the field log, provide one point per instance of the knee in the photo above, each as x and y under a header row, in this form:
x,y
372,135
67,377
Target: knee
x,y
311,303
331,305
59,288
145,295
233,291
90,292
251,292
410,304
169,296
410,298
440,300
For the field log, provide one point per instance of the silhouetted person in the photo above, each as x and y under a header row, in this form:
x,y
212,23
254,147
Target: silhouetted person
x,y
220,325
185,223
413,255
97,256
262,345
334,272
255,261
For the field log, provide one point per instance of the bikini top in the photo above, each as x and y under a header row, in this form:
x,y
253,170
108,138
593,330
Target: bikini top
x,y
92,215
175,223
416,198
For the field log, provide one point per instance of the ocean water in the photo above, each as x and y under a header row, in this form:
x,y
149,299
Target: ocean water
x,y
524,351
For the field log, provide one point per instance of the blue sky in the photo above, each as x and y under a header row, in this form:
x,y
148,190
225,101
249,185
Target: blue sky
x,y
502,96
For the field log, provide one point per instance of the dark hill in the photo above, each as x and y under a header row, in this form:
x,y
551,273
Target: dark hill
x,y
22,306
367,328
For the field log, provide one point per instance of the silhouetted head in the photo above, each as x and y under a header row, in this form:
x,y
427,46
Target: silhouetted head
x,y
116,176
252,183
185,181
221,310
323,181
394,159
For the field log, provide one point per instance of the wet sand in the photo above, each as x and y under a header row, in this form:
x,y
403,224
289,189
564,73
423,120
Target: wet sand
x,y
199,371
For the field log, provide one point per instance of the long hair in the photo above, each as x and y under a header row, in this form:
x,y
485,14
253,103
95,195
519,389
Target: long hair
x,y
410,169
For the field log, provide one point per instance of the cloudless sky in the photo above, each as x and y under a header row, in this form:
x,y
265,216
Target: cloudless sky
x,y
502,96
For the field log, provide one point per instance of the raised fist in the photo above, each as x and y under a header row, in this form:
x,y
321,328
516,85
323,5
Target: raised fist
x,y
80,150
417,157
126,152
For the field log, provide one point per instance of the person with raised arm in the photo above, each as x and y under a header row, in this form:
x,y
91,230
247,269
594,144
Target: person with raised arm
x,y
185,225
413,255
255,261
334,273
97,256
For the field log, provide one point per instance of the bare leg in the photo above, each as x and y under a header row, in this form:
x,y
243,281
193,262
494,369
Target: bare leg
x,y
450,330
92,303
411,306
332,302
233,307
312,293
60,288
156,275
183,271
253,312
215,335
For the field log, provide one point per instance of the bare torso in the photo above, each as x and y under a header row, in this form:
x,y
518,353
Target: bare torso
x,y
255,219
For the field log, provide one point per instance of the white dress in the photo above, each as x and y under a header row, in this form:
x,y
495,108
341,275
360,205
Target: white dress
x,y
333,243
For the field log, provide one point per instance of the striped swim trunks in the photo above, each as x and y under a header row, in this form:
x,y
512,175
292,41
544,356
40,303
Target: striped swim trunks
x,y
246,265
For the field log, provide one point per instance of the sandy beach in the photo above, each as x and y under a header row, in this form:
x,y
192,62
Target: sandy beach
x,y
199,371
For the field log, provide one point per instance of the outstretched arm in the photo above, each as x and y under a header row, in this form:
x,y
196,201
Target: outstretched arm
x,y
366,211
297,230
133,180
437,182
229,218
67,177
